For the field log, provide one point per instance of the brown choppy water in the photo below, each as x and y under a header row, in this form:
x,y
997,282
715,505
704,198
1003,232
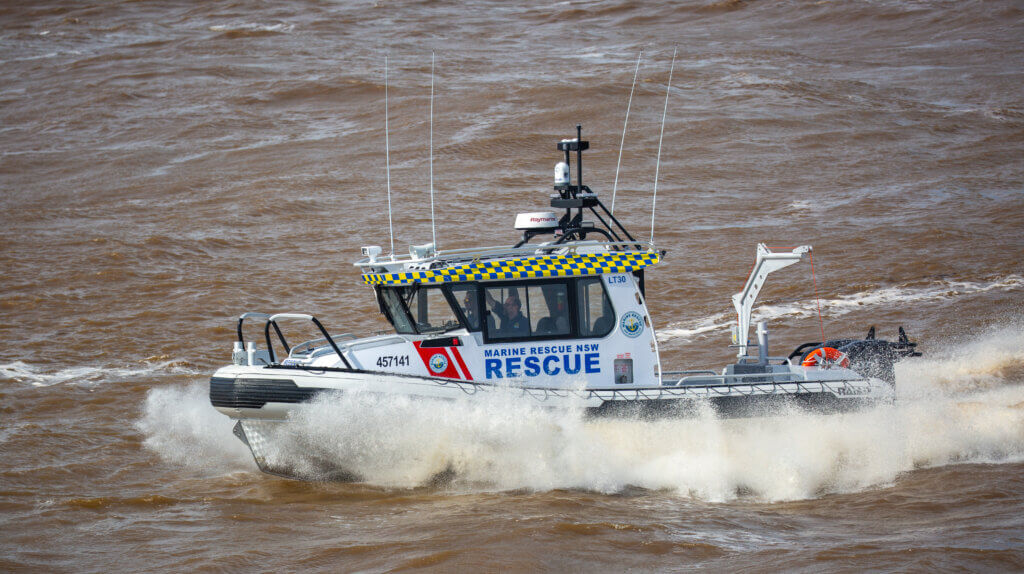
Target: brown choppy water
x,y
165,167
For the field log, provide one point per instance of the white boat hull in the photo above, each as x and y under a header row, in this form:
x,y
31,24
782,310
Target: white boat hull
x,y
273,393
266,400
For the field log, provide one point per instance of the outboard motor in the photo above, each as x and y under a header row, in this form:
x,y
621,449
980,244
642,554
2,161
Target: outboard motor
x,y
869,356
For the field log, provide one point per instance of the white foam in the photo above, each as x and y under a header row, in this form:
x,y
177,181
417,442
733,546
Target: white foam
x,y
38,377
707,325
253,27
986,363
22,372
184,429
500,441
964,403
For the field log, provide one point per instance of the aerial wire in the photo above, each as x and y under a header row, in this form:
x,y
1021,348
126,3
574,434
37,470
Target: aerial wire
x,y
433,228
387,157
624,124
664,113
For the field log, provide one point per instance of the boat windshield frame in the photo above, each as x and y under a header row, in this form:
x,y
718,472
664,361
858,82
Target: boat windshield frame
x,y
394,304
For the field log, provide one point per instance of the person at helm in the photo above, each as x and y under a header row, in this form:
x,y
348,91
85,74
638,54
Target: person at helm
x,y
513,322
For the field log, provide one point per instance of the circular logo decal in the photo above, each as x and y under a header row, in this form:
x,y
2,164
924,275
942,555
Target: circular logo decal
x,y
632,324
439,363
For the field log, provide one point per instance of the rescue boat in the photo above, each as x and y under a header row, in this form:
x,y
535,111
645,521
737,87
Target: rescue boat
x,y
560,318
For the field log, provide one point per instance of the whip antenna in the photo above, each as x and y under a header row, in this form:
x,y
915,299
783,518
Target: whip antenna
x,y
624,124
387,157
664,113
433,229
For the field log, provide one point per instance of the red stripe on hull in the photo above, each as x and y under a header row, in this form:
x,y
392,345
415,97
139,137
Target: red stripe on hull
x,y
462,364
437,362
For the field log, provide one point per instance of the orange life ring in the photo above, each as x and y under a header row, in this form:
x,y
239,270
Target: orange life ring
x,y
832,356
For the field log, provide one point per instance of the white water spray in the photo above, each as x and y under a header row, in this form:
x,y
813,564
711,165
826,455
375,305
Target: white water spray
x,y
944,416
184,429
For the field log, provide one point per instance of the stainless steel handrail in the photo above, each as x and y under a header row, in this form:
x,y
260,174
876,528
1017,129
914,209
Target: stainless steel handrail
x,y
245,316
499,251
734,379
272,320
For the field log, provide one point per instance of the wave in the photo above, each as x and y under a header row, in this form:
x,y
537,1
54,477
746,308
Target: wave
x,y
250,29
22,372
844,304
500,442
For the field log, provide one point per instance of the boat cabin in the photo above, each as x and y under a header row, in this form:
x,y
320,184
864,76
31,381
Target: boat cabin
x,y
552,318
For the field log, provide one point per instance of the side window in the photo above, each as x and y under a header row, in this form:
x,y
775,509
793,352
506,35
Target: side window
x,y
466,297
430,310
596,316
540,310
548,309
506,318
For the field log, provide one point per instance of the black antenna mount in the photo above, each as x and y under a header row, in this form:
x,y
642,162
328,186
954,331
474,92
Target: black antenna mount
x,y
576,196
568,190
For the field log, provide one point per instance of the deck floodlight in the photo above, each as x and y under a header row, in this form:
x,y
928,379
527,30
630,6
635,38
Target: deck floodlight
x,y
421,251
371,251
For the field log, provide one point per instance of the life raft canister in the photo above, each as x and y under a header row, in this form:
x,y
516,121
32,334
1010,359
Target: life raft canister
x,y
832,356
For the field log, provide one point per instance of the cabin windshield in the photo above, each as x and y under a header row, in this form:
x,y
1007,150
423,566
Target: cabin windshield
x,y
429,309
396,312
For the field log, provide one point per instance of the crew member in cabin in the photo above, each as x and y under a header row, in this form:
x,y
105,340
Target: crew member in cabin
x,y
470,309
557,323
513,323
561,314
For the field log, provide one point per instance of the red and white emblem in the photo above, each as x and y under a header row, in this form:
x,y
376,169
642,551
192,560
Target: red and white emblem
x,y
444,361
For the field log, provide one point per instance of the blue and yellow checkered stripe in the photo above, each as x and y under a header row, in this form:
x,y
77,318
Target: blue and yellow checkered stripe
x,y
529,267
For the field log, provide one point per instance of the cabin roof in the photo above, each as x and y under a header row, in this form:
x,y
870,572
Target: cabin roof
x,y
569,264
